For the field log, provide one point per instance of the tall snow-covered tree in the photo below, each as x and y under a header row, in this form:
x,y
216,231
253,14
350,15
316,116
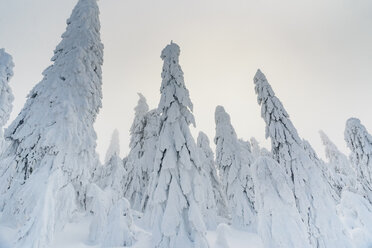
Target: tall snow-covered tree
x,y
360,143
52,141
278,222
6,95
312,193
137,177
173,208
235,172
215,201
114,147
341,174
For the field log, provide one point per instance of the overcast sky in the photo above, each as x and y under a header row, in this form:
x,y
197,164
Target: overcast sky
x,y
317,55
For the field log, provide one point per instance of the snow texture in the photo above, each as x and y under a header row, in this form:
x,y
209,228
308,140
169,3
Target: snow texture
x,y
51,155
278,223
312,193
233,163
173,211
215,201
360,143
6,95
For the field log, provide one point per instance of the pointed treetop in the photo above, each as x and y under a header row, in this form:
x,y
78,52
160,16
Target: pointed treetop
x,y
330,148
173,88
6,95
221,116
202,139
357,137
6,65
142,107
114,148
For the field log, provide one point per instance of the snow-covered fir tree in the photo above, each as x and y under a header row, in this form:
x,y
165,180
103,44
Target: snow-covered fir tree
x,y
52,141
112,174
279,223
151,134
235,172
215,201
6,95
359,142
312,194
173,210
341,174
138,175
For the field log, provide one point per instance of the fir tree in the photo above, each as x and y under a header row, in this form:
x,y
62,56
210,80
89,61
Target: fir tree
x,y
6,95
215,202
360,143
341,174
173,209
52,141
313,195
235,172
137,177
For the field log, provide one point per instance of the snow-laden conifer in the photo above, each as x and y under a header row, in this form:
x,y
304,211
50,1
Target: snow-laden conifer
x,y
6,95
52,141
173,209
235,172
138,174
341,174
312,193
360,143
278,222
215,201
112,174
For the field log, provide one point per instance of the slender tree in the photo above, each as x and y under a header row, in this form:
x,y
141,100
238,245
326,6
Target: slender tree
x,y
173,210
215,200
138,170
341,175
360,143
52,141
235,172
313,195
6,95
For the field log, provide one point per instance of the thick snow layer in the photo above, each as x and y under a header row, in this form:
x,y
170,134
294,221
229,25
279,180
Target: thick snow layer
x,y
76,235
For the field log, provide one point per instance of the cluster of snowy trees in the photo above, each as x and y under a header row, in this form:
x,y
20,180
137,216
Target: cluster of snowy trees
x,y
50,173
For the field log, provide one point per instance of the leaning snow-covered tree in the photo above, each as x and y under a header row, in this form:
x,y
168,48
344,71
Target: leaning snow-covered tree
x,y
360,143
312,193
235,172
137,177
173,209
215,201
52,141
341,174
6,95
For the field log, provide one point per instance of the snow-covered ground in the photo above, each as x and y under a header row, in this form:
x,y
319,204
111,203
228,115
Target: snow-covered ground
x,y
76,235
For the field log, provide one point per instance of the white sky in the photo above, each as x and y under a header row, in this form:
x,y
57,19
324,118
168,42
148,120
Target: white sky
x,y
316,54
